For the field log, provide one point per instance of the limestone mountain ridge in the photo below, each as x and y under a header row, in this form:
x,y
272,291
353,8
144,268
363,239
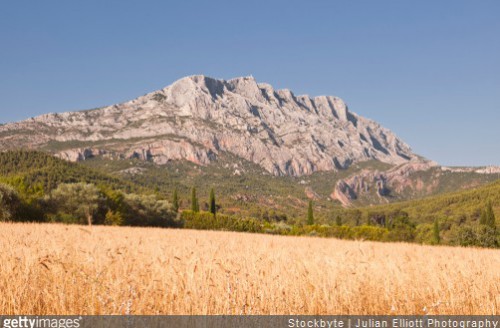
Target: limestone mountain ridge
x,y
198,118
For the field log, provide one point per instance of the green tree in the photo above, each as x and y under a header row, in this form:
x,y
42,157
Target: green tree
x,y
437,237
338,220
195,207
212,206
9,203
79,201
488,217
310,215
357,217
175,201
473,235
113,218
402,229
148,210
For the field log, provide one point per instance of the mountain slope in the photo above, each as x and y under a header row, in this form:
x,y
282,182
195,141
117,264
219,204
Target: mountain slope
x,y
408,181
197,118
249,194
33,172
461,206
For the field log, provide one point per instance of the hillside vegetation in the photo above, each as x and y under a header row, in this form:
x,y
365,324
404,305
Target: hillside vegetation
x,y
108,270
245,189
38,187
37,172
461,205
35,186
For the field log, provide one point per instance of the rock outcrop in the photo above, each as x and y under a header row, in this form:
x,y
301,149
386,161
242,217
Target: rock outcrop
x,y
480,170
383,184
197,118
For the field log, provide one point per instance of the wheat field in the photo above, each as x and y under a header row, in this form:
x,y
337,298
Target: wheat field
x,y
58,269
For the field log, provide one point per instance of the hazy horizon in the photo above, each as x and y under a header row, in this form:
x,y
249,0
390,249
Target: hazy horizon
x,y
427,71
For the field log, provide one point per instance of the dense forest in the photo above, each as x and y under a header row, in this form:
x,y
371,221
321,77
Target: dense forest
x,y
35,186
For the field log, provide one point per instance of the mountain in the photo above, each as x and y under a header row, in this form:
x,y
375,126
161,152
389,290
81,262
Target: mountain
x,y
198,118
257,145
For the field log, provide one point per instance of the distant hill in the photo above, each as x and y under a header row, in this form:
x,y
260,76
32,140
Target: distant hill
x,y
459,206
244,188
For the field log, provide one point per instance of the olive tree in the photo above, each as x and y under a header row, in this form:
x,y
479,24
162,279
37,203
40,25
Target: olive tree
x,y
147,210
9,203
78,202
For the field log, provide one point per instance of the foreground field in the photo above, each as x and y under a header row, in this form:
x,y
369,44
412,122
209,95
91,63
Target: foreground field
x,y
56,269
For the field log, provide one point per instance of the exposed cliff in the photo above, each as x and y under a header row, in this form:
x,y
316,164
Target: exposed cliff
x,y
198,117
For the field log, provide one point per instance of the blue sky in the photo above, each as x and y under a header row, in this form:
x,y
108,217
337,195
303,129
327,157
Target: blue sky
x,y
428,70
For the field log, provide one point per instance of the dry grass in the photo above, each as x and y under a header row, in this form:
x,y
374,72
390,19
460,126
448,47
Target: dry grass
x,y
56,269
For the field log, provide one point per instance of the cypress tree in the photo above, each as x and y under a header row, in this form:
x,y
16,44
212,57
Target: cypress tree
x,y
483,220
338,220
211,203
437,237
175,201
194,201
488,216
310,215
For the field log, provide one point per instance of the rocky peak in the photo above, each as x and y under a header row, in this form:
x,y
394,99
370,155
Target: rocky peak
x,y
197,118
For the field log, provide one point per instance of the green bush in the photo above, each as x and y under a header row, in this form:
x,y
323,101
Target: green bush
x,y
424,234
373,233
341,232
113,218
474,235
10,203
277,228
207,221
147,210
61,217
401,229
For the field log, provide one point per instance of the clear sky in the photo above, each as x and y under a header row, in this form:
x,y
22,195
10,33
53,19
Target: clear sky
x,y
428,70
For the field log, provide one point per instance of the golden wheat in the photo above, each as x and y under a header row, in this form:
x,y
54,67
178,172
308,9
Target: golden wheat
x,y
58,269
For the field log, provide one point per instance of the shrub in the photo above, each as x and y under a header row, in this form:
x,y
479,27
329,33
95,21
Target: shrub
x,y
474,235
424,234
10,203
277,228
370,233
113,218
207,221
147,210
402,229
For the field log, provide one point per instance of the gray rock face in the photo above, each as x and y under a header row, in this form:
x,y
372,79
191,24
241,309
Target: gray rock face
x,y
197,117
396,179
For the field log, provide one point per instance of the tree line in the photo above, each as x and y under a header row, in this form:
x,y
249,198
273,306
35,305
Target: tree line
x,y
38,187
84,203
